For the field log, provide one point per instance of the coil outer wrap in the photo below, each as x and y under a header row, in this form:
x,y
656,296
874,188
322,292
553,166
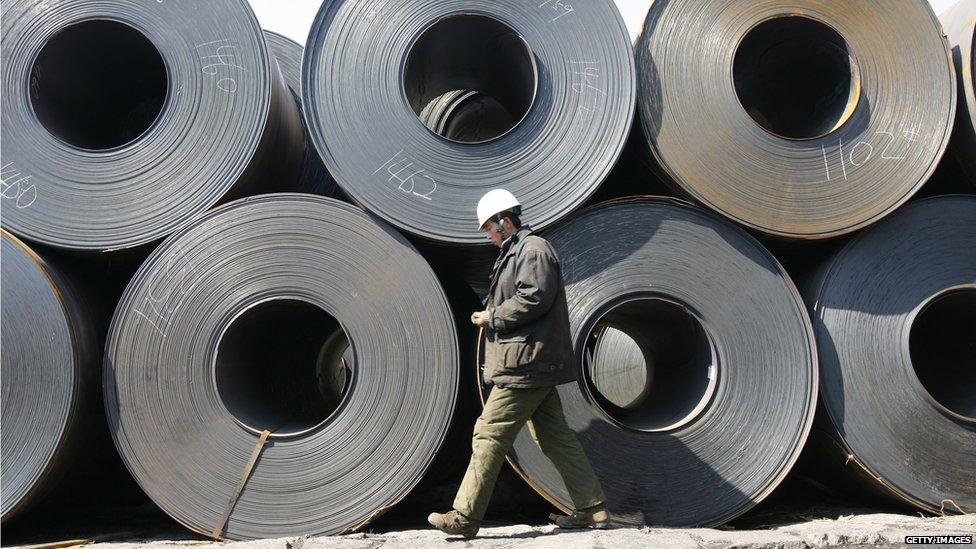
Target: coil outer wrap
x,y
226,120
865,302
314,179
959,23
183,445
386,160
903,100
731,455
50,358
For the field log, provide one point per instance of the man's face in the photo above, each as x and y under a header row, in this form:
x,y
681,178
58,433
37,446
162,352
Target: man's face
x,y
491,230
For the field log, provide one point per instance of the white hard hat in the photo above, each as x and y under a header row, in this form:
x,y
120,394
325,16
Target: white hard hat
x,y
495,201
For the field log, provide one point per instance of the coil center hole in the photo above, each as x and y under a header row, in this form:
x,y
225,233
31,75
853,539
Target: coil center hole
x,y
284,365
650,365
470,78
796,77
942,346
98,85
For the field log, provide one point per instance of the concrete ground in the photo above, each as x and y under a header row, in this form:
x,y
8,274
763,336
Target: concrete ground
x,y
867,530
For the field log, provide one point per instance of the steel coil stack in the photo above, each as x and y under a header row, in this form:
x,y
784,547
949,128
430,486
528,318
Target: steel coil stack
x,y
806,124
287,238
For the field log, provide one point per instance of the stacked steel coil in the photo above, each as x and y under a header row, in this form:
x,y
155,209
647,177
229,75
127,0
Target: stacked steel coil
x,y
722,375
559,77
895,316
50,370
299,317
290,364
960,26
796,119
123,121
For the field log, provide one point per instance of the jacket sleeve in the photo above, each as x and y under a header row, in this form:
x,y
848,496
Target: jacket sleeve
x,y
536,286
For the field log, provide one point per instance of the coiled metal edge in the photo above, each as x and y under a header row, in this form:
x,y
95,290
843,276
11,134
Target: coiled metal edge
x,y
895,317
795,119
564,73
50,362
219,336
125,120
732,378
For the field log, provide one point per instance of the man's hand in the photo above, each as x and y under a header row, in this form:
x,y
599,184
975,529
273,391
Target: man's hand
x,y
480,319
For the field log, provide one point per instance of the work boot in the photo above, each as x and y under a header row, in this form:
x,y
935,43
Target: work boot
x,y
454,524
594,517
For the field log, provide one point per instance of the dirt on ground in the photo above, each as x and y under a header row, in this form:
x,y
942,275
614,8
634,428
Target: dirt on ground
x,y
868,530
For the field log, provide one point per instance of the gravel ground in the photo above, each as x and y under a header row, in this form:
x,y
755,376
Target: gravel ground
x,y
868,530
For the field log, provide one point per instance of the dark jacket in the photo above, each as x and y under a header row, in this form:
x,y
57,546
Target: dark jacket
x,y
528,343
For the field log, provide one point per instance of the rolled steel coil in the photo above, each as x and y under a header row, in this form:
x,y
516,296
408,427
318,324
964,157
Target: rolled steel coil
x,y
553,106
959,23
225,333
50,364
314,179
125,120
797,119
730,375
895,317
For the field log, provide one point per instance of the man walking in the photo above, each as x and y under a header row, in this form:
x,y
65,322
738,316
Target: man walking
x,y
528,353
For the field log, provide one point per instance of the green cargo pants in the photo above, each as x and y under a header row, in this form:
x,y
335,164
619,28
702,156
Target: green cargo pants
x,y
506,411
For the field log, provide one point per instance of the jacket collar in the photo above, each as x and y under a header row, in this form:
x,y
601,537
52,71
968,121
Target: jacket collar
x,y
507,250
508,246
